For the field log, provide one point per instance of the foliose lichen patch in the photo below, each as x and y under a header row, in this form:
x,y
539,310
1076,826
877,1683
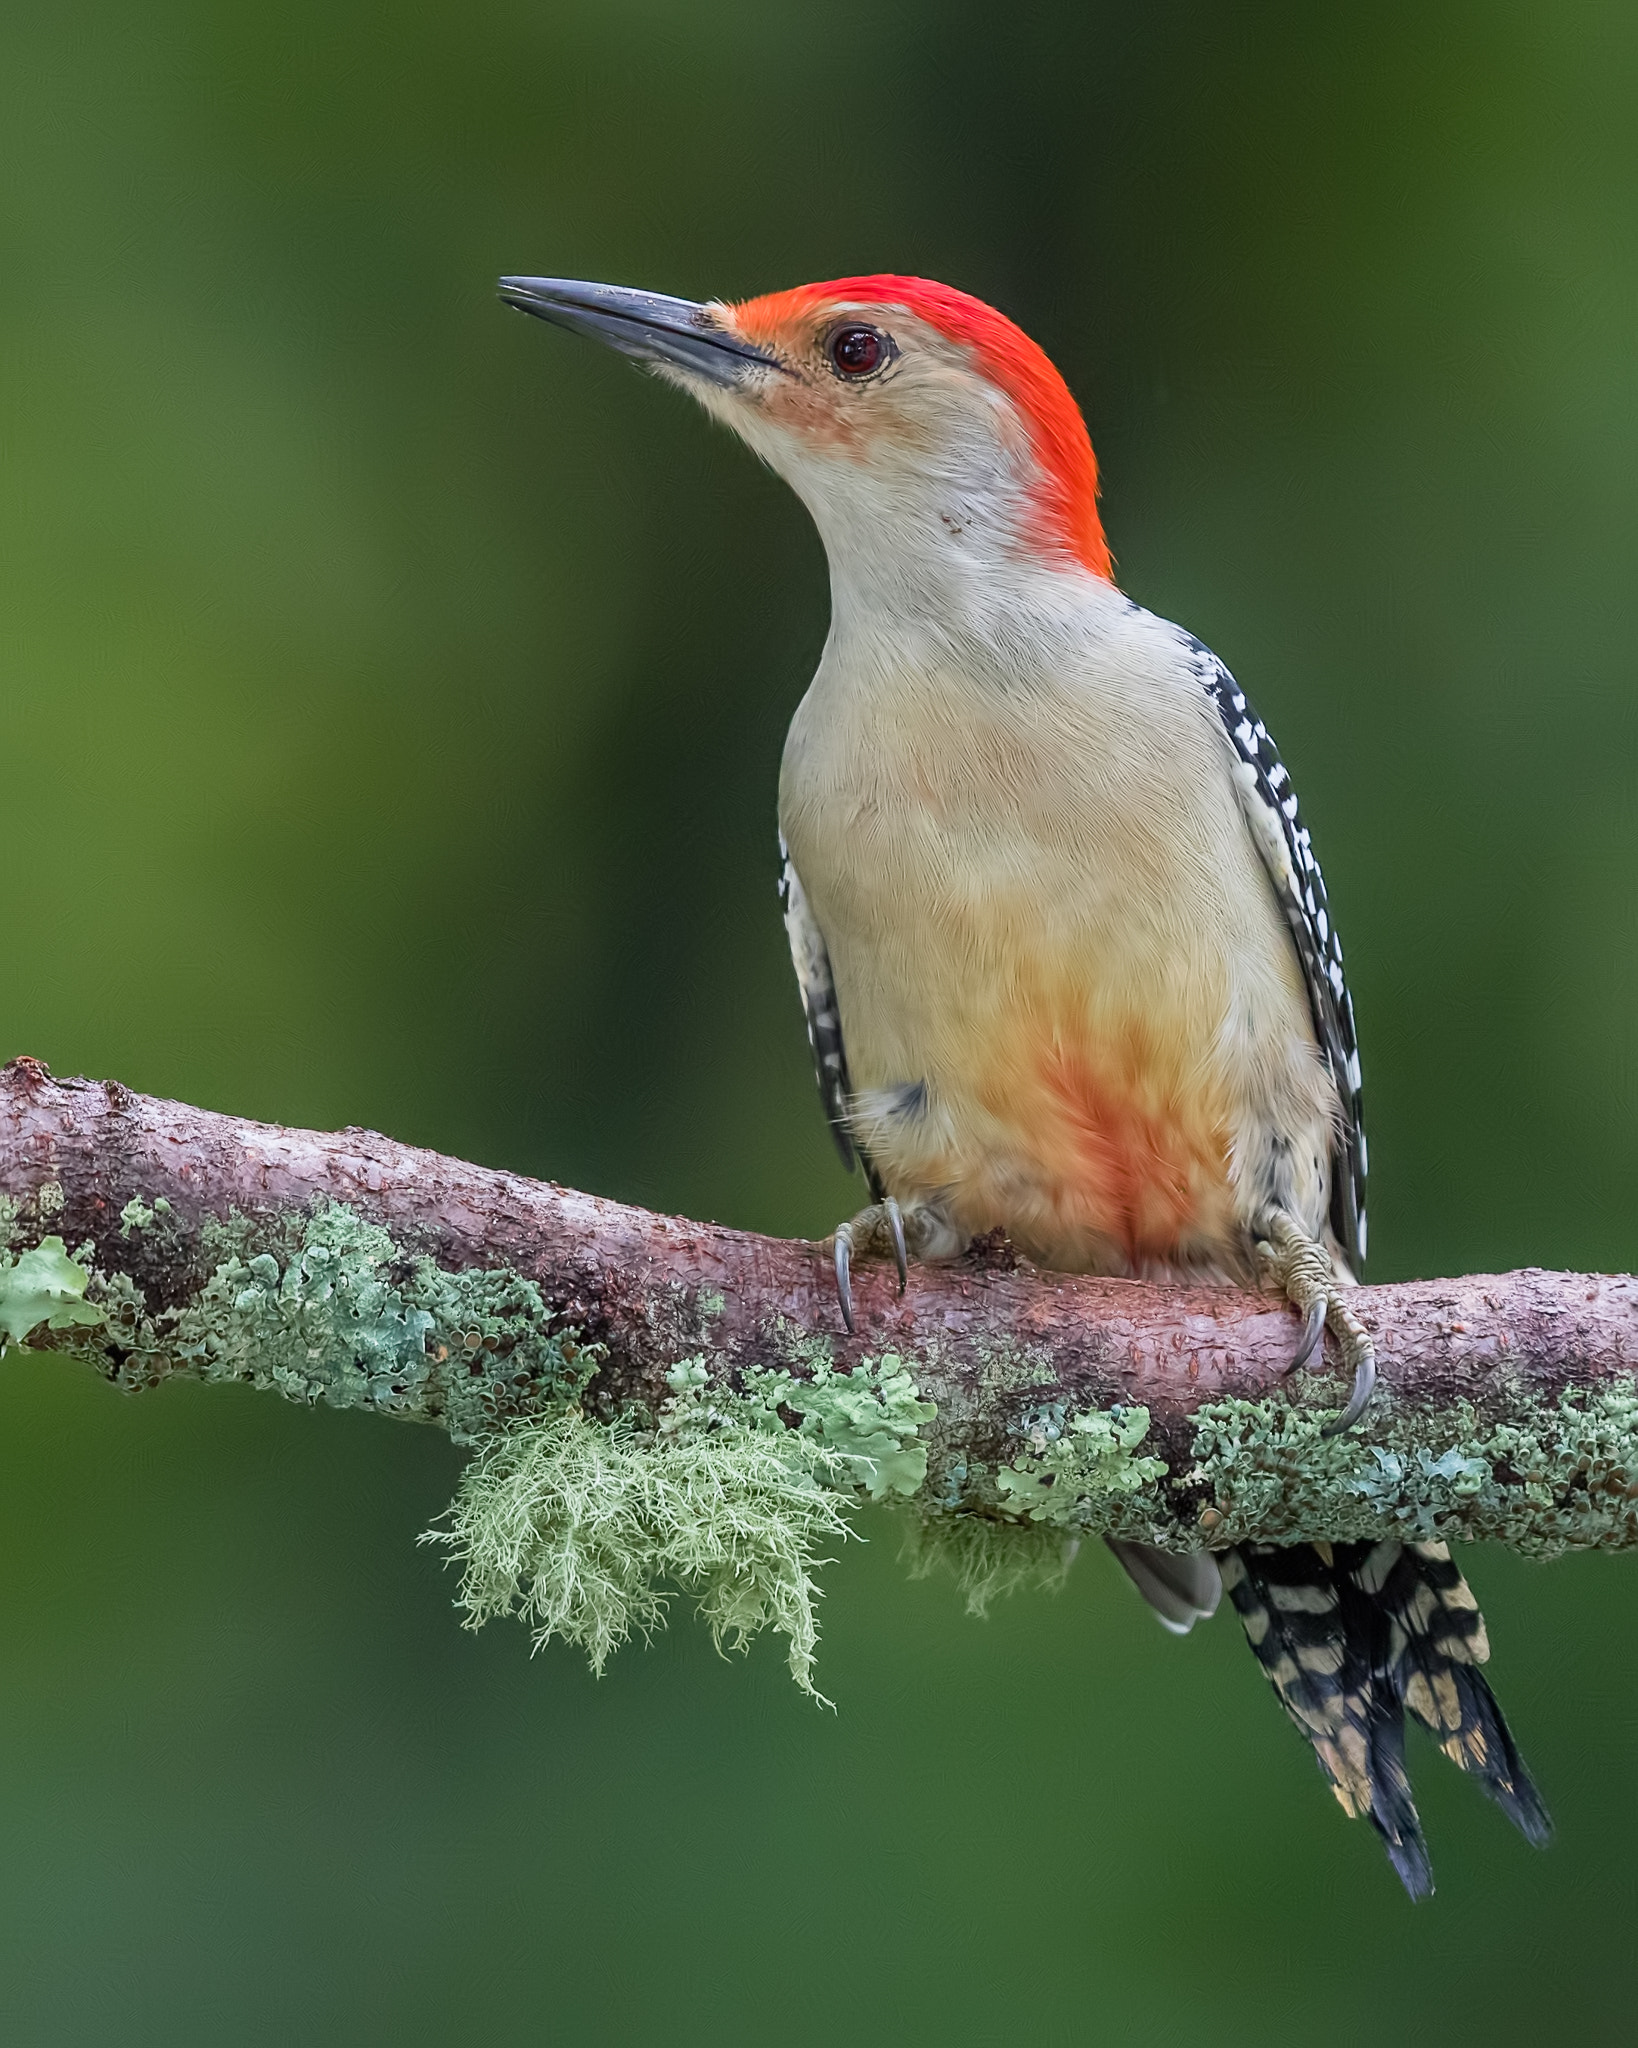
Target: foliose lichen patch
x,y
346,1318
1082,1470
1555,1475
863,1426
323,1308
42,1289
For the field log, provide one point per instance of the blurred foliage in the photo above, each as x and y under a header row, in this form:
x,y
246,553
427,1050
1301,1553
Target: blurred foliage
x,y
393,692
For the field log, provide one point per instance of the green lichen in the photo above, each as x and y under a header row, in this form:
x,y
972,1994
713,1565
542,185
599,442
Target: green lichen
x,y
138,1215
1555,1475
43,1289
863,1426
988,1560
342,1315
1082,1471
575,1526
580,1524
130,1348
324,1308
25,1216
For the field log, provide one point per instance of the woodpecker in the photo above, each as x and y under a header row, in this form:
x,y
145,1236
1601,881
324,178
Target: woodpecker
x,y
1065,950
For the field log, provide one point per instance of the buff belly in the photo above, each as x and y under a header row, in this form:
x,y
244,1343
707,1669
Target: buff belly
x,y
1091,1142
1070,1006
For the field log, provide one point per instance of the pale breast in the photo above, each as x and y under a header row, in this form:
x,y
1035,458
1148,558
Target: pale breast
x,y
1069,1005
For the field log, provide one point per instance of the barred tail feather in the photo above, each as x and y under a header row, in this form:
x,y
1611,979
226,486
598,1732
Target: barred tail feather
x,y
1436,1640
1392,1810
1352,1634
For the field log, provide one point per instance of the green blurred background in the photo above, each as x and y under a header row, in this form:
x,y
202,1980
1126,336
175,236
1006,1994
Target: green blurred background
x,y
393,692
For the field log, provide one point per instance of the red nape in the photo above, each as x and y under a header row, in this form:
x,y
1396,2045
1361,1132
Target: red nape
x,y
1012,361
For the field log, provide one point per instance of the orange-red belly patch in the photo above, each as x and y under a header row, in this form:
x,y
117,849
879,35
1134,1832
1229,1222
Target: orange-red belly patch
x,y
1124,1150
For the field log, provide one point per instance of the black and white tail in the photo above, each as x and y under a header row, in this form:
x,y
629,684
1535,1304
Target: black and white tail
x,y
1353,1634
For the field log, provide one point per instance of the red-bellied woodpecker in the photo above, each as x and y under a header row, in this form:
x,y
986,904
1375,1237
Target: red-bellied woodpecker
x,y
1066,954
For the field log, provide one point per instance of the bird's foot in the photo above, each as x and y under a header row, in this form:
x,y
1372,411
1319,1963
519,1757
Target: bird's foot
x,y
1303,1271
873,1233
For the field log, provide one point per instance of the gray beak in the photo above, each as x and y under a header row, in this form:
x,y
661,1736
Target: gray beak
x,y
646,325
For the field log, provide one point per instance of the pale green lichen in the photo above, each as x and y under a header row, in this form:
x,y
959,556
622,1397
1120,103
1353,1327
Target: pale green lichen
x,y
1082,1470
342,1315
322,1308
863,1425
579,1524
138,1215
867,1430
1555,1475
43,1289
130,1348
575,1526
988,1560
27,1215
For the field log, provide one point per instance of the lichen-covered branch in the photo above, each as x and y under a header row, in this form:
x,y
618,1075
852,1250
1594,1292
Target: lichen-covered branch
x,y
658,1399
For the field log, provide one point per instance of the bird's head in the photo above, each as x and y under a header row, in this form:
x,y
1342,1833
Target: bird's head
x,y
916,423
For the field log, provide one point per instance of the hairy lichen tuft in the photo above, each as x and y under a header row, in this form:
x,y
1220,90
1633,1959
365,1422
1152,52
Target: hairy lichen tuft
x,y
575,1526
988,1560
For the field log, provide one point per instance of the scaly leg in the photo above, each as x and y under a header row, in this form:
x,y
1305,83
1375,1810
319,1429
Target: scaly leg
x,y
1302,1269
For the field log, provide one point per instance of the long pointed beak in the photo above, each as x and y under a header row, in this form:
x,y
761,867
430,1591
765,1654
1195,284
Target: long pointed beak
x,y
646,325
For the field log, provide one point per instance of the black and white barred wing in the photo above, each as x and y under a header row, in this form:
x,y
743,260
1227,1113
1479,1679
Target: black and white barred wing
x,y
812,963
1270,805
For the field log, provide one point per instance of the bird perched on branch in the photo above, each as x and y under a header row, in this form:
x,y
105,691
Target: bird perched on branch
x,y
1065,950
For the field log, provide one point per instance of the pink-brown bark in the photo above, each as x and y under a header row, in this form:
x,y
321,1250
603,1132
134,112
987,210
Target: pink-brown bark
x,y
985,1337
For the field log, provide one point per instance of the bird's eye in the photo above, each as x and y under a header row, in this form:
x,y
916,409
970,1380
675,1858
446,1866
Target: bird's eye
x,y
857,350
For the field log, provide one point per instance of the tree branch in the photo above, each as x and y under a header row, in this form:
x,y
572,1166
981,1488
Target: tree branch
x,y
345,1267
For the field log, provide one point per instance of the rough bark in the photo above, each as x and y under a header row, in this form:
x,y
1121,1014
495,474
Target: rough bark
x,y
991,1341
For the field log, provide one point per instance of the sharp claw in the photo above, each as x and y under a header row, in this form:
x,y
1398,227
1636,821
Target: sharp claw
x,y
895,1223
1313,1330
1359,1400
844,1280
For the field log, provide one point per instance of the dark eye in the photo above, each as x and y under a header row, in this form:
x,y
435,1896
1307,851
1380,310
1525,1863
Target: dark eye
x,y
856,351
